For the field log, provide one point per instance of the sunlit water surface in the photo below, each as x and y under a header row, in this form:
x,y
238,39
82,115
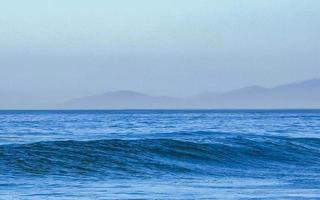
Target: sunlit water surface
x,y
232,154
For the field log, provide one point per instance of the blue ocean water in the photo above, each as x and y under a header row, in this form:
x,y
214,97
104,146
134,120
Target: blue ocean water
x,y
152,154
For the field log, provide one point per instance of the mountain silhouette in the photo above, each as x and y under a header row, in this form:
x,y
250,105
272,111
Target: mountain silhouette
x,y
304,94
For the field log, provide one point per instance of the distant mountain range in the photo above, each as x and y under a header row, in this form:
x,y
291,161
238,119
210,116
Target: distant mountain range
x,y
295,95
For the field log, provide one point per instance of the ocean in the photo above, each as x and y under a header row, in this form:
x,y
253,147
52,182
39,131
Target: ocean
x,y
160,154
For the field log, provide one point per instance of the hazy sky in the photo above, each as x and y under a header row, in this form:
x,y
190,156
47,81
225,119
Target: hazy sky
x,y
171,47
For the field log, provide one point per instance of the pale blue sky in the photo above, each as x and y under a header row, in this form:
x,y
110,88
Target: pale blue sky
x,y
170,47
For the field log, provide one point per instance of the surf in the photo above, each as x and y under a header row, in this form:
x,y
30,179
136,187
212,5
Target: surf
x,y
149,157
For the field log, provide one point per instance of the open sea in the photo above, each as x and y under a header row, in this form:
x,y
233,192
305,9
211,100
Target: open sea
x,y
160,154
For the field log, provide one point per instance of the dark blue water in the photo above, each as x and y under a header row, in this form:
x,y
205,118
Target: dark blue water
x,y
160,154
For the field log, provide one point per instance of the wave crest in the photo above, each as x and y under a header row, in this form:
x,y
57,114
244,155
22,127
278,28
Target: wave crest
x,y
157,156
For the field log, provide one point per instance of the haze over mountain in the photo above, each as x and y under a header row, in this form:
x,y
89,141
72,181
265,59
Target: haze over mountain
x,y
304,94
52,51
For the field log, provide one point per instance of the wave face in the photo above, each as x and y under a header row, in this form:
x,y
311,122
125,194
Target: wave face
x,y
159,154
